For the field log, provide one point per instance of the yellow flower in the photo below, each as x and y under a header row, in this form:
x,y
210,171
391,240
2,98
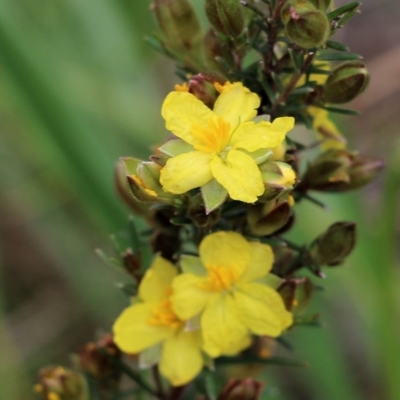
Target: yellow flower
x,y
220,144
151,321
228,286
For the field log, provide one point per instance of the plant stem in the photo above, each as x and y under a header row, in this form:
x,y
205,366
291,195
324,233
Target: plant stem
x,y
157,381
176,393
295,78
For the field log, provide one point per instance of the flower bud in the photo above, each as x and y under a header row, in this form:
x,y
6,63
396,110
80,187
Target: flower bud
x,y
202,86
96,359
179,23
121,182
278,178
334,245
226,16
346,82
338,170
296,294
241,389
304,24
58,383
267,218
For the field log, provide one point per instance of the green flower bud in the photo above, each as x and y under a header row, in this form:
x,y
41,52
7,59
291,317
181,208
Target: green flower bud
x,y
296,294
346,82
241,389
267,218
339,170
178,21
58,383
226,16
143,180
124,167
202,86
321,5
304,24
97,359
278,178
334,245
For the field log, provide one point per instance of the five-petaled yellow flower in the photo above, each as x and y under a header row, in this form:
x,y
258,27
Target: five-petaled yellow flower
x,y
152,321
225,286
222,144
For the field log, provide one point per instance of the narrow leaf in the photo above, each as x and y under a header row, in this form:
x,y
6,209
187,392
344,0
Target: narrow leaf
x,y
336,45
338,57
279,361
337,110
342,10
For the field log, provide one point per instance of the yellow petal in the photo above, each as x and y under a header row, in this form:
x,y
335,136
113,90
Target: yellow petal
x,y
186,171
239,175
236,104
260,263
157,280
261,309
132,333
226,249
181,110
253,136
187,298
223,330
181,358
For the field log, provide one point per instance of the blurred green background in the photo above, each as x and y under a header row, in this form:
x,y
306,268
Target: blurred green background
x,y
80,88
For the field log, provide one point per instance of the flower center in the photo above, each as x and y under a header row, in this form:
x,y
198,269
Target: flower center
x,y
163,315
212,138
219,278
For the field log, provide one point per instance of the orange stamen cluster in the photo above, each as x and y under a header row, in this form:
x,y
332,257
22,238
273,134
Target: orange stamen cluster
x,y
212,138
219,278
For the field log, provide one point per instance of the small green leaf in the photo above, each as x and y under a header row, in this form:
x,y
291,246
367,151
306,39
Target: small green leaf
x,y
129,289
209,383
337,57
336,45
297,58
303,90
111,261
337,110
157,45
245,360
214,195
351,7
309,320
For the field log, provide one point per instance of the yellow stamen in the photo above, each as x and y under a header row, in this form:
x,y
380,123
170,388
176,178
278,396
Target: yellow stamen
x,y
181,88
163,314
219,279
213,138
